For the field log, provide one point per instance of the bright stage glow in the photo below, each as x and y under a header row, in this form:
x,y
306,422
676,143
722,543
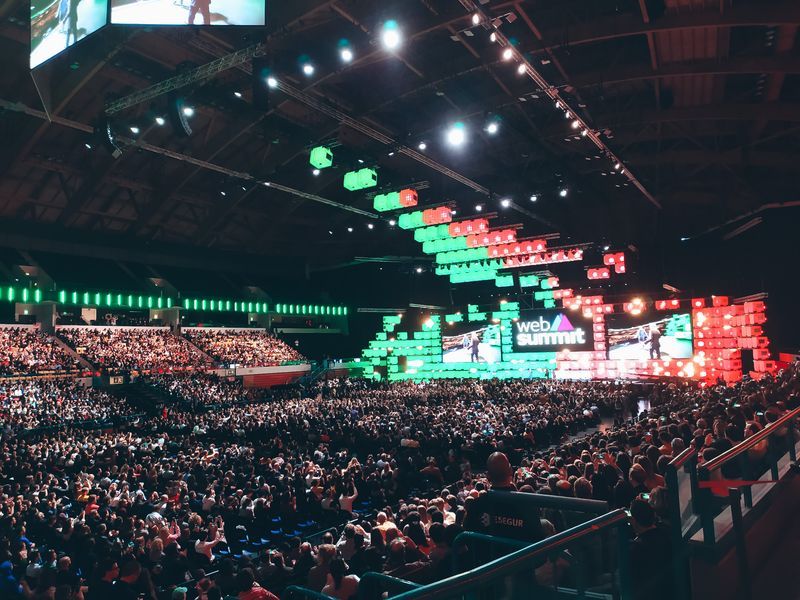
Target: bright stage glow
x,y
134,130
522,69
272,82
505,202
457,134
422,146
492,128
476,19
160,121
508,54
563,192
534,198
346,55
188,111
390,36
308,69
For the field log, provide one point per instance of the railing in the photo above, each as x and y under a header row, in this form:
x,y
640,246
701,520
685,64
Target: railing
x,y
760,458
546,568
681,478
711,503
374,585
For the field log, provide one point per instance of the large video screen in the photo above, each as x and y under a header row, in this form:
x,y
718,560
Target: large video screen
x,y
670,337
188,12
552,331
473,343
58,24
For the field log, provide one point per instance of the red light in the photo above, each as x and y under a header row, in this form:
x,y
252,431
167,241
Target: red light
x,y
698,303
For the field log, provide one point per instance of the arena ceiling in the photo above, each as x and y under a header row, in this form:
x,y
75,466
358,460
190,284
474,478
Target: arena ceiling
x,y
700,99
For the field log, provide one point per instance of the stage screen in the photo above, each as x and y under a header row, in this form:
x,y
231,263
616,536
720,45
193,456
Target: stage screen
x,y
628,338
58,24
188,12
552,331
472,343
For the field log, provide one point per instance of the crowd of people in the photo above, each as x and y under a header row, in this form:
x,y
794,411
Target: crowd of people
x,y
213,504
242,347
143,349
28,351
45,403
203,389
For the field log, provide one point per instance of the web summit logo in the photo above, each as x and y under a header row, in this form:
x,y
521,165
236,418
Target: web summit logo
x,y
542,332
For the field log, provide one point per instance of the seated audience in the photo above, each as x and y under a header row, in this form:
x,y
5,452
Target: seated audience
x,y
244,348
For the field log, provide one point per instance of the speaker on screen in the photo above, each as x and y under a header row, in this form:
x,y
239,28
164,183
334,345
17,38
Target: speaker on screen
x,y
188,12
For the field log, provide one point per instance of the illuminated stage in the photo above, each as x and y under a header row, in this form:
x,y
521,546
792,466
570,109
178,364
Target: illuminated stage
x,y
702,339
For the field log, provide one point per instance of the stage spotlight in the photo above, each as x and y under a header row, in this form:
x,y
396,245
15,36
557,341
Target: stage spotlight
x,y
330,232
370,226
134,130
349,230
478,207
534,198
505,202
492,128
188,111
476,19
606,248
576,124
308,69
419,269
160,121
272,82
346,54
88,146
493,37
617,166
522,69
392,222
223,194
584,132
315,172
237,94
508,54
563,192
454,212
422,146
457,134
390,36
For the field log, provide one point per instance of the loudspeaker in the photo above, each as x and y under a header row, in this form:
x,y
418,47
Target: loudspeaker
x,y
261,70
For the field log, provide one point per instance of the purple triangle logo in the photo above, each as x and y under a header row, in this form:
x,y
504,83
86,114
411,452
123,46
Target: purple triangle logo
x,y
562,323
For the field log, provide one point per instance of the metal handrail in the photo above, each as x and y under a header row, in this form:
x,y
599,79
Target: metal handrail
x,y
296,591
682,458
505,565
750,442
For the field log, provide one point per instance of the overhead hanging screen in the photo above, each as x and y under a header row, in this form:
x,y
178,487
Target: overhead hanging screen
x,y
188,12
58,24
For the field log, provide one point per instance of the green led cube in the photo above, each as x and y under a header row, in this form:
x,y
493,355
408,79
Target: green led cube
x,y
367,178
321,157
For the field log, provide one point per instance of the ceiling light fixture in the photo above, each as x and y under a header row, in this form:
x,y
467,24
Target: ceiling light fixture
x,y
457,134
390,36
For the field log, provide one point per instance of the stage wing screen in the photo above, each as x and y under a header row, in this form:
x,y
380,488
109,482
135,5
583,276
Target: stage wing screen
x,y
630,340
473,343
188,12
58,24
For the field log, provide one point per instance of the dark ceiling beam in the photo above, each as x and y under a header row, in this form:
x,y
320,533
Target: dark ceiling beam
x,y
620,26
740,159
782,64
785,42
775,111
